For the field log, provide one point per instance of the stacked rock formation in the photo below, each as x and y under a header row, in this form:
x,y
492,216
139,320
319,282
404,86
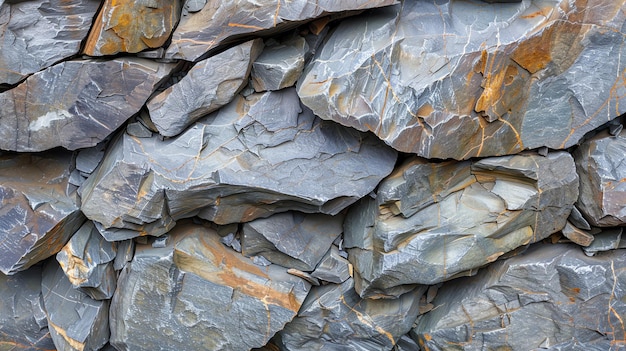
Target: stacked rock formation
x,y
330,175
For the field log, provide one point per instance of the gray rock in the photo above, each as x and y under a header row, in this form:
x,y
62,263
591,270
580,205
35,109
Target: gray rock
x,y
254,157
551,297
38,214
280,64
497,77
333,268
608,239
197,294
23,324
87,160
76,321
432,222
334,317
578,220
125,253
87,260
37,34
601,165
208,85
76,104
576,235
291,239
222,22
406,343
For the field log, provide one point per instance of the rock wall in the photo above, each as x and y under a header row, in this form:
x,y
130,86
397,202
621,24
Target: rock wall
x,y
329,175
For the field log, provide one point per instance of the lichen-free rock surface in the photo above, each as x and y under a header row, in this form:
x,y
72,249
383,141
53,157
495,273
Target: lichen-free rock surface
x,y
551,297
39,211
499,78
76,104
132,26
197,294
258,155
221,22
209,85
601,164
280,64
431,222
37,34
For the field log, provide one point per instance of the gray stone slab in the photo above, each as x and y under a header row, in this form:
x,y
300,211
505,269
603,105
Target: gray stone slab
x,y
280,64
333,268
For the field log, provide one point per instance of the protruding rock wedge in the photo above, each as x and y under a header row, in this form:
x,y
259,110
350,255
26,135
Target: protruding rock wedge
x,y
221,22
280,64
551,297
87,260
197,294
335,317
76,321
431,222
601,165
209,85
500,78
256,156
76,104
333,268
37,34
38,214
23,324
291,239
132,26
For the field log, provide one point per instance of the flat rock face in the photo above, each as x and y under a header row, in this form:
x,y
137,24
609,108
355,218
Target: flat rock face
x,y
334,317
601,164
551,297
132,26
157,305
23,324
280,64
209,85
220,22
76,321
256,156
38,213
431,222
502,78
76,104
37,34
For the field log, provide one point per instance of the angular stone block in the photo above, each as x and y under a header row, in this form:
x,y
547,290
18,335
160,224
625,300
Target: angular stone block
x,y
280,64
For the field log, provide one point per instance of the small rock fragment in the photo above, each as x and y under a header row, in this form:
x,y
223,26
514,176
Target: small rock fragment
x,y
332,268
279,65
576,235
608,239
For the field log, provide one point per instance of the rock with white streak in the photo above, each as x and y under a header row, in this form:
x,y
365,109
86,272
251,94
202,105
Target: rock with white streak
x,y
280,64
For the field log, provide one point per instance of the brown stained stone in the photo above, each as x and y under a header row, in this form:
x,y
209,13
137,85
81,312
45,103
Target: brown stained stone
x,y
576,235
132,26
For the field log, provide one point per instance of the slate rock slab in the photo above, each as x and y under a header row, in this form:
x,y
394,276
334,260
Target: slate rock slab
x,y
501,78
221,22
38,210
209,85
23,324
433,221
551,297
76,321
258,155
76,104
37,34
132,26
197,294
280,64
334,317
601,165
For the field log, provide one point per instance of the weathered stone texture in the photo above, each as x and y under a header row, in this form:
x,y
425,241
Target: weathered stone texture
x,y
76,104
431,222
500,78
280,64
197,294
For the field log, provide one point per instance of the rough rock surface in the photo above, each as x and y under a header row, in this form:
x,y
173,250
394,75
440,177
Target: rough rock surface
x,y
601,164
37,34
551,297
431,222
241,305
256,156
221,22
491,75
209,85
132,26
335,317
280,64
76,104
76,321
87,260
291,239
333,267
23,324
39,212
